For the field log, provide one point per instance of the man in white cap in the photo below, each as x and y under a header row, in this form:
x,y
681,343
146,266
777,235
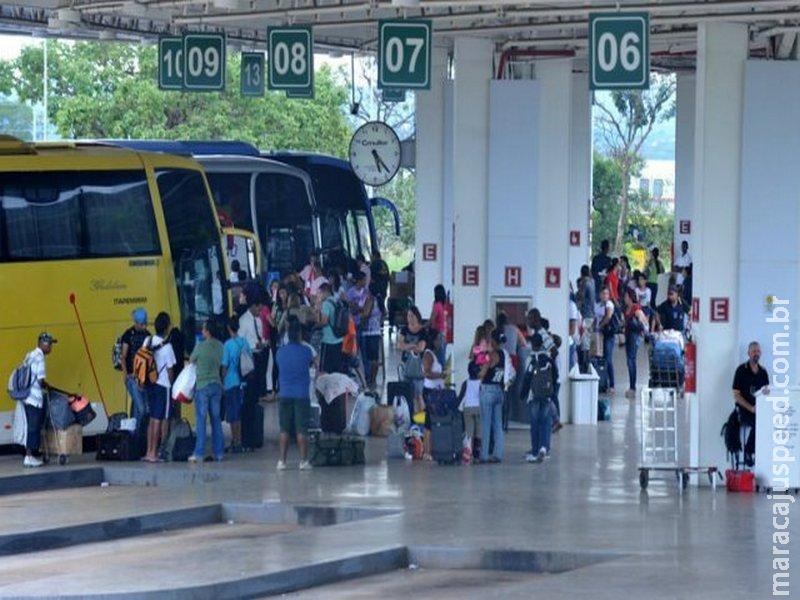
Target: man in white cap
x,y
34,403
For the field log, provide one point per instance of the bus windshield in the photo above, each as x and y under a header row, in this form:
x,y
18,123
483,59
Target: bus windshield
x,y
70,214
231,193
194,241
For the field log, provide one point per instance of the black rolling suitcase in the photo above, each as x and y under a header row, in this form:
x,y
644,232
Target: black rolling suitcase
x,y
119,445
599,364
447,426
252,425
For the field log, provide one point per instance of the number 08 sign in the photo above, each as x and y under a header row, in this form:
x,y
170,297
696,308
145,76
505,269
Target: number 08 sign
x,y
619,50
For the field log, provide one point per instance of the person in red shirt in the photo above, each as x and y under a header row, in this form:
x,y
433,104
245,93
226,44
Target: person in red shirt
x,y
636,327
438,321
266,323
612,280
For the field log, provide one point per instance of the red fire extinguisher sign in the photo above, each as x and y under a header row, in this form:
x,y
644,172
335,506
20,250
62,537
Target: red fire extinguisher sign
x,y
690,355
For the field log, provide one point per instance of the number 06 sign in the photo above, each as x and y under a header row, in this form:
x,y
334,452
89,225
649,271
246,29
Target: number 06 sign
x,y
404,54
619,51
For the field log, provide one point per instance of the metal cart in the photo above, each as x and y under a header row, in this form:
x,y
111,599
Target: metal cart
x,y
659,433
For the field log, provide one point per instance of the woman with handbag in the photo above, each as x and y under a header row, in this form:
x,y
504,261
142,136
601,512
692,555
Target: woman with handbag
x,y
412,343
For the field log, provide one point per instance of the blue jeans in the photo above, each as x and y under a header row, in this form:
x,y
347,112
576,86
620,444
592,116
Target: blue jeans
x,y
556,403
632,343
491,400
609,341
138,399
541,424
34,416
207,401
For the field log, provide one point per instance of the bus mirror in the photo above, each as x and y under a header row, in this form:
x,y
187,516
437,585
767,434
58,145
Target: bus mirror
x,y
388,205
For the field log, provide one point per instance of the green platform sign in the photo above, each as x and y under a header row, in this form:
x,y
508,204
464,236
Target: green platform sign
x,y
619,50
291,59
170,63
304,94
404,54
204,62
393,95
252,74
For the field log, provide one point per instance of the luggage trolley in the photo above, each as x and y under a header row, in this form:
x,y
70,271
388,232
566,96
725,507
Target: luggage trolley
x,y
659,433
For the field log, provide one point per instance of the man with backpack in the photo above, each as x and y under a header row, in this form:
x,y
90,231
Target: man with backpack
x,y
331,316
132,340
538,386
34,403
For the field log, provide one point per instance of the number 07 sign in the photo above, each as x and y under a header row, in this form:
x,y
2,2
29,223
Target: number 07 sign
x,y
404,54
619,51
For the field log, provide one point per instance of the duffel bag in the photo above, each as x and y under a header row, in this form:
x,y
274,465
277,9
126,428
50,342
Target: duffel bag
x,y
330,450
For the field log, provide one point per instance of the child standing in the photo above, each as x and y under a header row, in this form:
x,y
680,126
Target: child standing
x,y
469,397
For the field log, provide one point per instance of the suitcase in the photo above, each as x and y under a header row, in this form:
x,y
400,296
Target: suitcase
x,y
119,445
599,364
252,425
603,409
329,450
447,435
441,402
333,416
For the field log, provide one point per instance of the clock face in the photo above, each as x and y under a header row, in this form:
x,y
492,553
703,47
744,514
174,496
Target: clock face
x,y
375,153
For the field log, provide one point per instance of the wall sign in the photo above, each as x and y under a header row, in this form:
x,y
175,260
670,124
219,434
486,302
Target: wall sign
x,y
429,252
470,276
575,237
695,310
720,310
513,277
552,277
685,227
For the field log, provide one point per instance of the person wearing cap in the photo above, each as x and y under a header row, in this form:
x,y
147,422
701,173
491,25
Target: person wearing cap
x,y
133,339
671,312
34,403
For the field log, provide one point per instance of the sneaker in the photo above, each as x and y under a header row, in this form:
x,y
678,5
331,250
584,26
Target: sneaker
x,y
305,465
531,458
281,465
193,458
630,394
542,454
31,461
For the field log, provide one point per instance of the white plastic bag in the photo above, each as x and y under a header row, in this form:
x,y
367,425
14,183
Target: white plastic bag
x,y
183,388
359,419
402,415
20,429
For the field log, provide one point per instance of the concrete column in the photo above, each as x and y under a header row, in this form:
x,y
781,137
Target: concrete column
x,y
721,54
553,190
448,276
430,181
473,70
580,179
684,159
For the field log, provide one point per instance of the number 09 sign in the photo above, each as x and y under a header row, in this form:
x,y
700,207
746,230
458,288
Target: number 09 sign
x,y
619,51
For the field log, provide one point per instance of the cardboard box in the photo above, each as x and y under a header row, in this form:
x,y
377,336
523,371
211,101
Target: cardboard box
x,y
64,441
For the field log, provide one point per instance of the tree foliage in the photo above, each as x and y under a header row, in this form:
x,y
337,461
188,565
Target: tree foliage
x,y
648,223
110,90
625,120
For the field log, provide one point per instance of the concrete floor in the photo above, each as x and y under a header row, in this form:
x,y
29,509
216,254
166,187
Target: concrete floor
x,y
585,501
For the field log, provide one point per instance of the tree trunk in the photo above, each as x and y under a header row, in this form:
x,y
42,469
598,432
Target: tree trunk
x,y
622,223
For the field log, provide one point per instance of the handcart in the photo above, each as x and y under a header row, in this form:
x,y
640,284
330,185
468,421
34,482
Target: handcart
x,y
659,433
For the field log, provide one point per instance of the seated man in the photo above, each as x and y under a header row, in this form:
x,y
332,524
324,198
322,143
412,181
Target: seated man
x,y
750,377
672,312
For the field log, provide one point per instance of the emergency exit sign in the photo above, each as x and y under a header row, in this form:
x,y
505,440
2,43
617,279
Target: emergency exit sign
x,y
619,50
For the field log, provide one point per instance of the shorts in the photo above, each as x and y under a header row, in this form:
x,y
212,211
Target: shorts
x,y
157,398
233,400
331,358
294,415
372,347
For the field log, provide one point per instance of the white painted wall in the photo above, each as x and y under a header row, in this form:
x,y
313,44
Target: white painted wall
x,y
513,159
722,52
473,70
430,180
684,157
769,254
580,180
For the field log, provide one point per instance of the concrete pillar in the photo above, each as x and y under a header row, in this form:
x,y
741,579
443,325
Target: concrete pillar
x,y
684,159
430,182
580,180
473,70
448,260
721,54
553,189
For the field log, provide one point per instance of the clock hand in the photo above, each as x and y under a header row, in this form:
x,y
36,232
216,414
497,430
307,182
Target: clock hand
x,y
377,159
381,164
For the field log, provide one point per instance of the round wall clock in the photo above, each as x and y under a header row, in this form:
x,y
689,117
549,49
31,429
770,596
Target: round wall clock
x,y
375,153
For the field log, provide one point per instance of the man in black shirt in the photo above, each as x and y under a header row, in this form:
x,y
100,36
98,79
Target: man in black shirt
x,y
132,340
672,312
601,263
750,377
379,279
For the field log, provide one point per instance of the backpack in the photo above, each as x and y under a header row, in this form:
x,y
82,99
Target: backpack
x,y
341,318
144,364
21,381
116,354
538,381
731,432
616,322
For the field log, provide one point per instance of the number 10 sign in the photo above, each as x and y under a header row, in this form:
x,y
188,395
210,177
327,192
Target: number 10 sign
x,y
619,51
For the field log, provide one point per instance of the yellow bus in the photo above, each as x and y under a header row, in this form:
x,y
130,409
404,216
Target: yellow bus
x,y
113,229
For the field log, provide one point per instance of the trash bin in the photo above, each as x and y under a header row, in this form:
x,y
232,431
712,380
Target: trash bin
x,y
583,390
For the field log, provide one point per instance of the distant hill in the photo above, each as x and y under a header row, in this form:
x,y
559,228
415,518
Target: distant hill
x,y
660,144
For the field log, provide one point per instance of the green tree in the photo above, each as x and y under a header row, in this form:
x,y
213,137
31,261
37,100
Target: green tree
x,y
402,191
16,119
109,90
625,121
